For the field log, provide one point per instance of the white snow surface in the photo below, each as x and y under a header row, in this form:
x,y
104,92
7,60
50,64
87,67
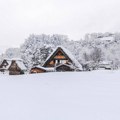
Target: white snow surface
x,y
21,64
61,96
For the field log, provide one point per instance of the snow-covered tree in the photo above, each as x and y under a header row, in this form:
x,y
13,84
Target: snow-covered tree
x,y
96,55
12,53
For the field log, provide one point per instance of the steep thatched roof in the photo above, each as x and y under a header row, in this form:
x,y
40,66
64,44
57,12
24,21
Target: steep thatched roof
x,y
67,54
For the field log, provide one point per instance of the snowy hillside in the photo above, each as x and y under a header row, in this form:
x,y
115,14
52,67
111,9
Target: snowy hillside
x,y
61,96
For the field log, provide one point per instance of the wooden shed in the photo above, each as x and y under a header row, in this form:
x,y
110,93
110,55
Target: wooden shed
x,y
37,69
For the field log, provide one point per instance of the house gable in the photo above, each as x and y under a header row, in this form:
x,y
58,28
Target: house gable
x,y
14,66
5,65
57,57
17,67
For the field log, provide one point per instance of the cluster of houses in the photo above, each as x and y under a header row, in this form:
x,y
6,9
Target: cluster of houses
x,y
60,60
13,66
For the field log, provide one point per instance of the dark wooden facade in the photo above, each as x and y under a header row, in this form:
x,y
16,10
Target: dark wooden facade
x,y
37,70
14,69
4,65
58,57
63,68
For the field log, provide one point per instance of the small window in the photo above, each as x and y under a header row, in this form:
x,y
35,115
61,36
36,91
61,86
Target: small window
x,y
63,61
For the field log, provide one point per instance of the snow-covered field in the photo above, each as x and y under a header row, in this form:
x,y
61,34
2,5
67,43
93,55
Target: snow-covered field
x,y
61,96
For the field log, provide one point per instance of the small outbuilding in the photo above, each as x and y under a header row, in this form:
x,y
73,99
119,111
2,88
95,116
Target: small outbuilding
x,y
40,69
17,67
37,69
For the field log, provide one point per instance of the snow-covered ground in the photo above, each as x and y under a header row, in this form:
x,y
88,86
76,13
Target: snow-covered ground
x,y
61,96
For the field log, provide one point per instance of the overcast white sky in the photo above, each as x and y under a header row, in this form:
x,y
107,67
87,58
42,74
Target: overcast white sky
x,y
19,18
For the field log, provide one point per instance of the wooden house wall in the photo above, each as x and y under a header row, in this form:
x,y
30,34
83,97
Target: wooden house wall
x,y
14,72
59,56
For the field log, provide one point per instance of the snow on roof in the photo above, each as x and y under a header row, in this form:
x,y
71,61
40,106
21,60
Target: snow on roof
x,y
5,68
21,64
50,69
9,63
44,68
10,59
38,66
18,61
75,62
71,66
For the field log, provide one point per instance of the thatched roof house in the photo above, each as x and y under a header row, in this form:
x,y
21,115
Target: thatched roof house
x,y
14,66
17,67
62,56
5,65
